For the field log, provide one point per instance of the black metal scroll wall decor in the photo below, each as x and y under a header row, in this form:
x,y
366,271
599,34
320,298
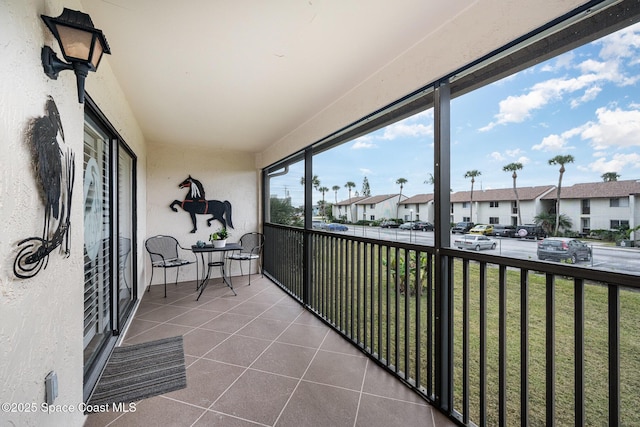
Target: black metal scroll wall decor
x,y
55,172
195,202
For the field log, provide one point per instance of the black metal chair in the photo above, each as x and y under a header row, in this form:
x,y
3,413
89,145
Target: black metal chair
x,y
252,244
165,253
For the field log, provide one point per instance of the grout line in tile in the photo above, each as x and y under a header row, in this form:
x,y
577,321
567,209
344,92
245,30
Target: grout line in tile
x,y
301,376
364,378
247,368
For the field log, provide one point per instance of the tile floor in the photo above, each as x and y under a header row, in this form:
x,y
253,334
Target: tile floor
x,y
260,359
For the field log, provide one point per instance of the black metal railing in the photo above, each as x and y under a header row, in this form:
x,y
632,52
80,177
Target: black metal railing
x,y
283,257
528,343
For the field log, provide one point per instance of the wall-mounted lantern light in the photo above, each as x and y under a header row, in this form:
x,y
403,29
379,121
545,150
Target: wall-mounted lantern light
x,y
81,44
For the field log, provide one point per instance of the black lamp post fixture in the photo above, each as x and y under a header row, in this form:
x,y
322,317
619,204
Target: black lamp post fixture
x,y
81,44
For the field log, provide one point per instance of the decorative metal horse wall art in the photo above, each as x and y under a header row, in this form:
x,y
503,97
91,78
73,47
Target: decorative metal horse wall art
x,y
55,172
195,202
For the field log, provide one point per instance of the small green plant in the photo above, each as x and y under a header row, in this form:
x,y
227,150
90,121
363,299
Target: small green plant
x,y
219,235
398,271
624,232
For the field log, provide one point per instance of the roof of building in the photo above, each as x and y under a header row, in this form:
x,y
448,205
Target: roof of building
x,y
501,194
377,199
589,190
350,201
596,190
419,199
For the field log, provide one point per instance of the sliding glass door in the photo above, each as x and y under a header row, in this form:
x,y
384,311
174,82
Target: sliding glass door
x,y
126,208
109,241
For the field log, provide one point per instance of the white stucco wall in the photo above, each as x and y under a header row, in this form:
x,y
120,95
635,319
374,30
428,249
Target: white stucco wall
x,y
225,175
502,212
601,213
420,212
41,318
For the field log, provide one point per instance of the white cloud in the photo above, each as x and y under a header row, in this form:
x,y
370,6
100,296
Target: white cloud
x,y
616,164
401,129
556,142
551,143
415,126
617,127
562,62
497,156
589,95
607,71
363,142
516,109
509,156
621,43
613,128
366,172
591,66
513,153
614,49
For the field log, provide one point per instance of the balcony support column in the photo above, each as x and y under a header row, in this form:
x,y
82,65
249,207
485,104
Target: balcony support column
x,y
308,225
443,286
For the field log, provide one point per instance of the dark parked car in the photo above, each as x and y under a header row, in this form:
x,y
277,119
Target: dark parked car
x,y
424,226
563,248
462,227
530,231
389,224
417,225
500,230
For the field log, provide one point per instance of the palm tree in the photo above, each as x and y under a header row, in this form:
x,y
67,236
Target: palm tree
x,y
609,176
349,185
401,182
547,220
513,167
472,174
431,180
315,182
335,189
323,190
560,160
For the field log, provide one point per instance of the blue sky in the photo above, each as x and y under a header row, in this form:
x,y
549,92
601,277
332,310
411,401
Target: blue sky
x,y
585,103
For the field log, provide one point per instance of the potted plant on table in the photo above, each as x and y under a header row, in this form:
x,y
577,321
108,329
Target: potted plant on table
x,y
219,238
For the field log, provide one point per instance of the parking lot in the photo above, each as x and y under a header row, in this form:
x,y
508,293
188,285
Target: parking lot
x,y
605,256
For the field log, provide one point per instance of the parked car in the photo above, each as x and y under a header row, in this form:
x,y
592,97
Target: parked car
x,y
563,248
336,227
485,229
389,224
317,225
424,226
406,226
504,230
530,231
475,242
462,227
416,225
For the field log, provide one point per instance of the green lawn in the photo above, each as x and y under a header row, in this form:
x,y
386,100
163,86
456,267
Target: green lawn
x,y
596,349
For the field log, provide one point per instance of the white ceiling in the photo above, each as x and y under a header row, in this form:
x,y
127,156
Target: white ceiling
x,y
244,74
